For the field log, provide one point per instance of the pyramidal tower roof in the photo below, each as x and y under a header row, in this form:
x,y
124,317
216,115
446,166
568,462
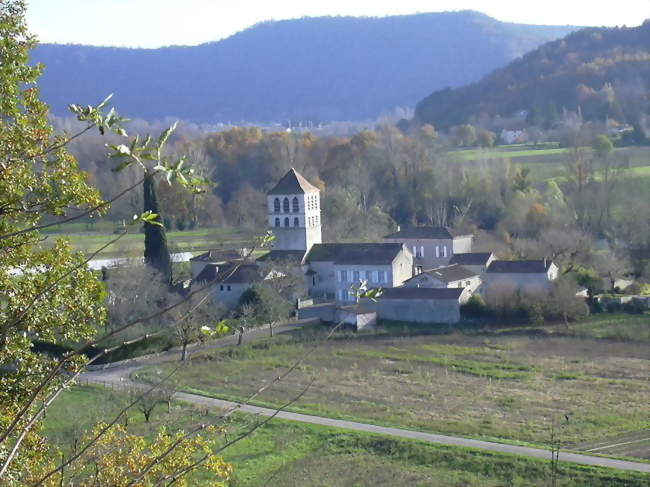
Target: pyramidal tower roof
x,y
293,183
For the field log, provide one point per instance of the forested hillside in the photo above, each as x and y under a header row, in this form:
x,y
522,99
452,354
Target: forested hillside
x,y
318,69
602,73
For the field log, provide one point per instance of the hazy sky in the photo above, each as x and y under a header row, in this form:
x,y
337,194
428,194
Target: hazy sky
x,y
152,23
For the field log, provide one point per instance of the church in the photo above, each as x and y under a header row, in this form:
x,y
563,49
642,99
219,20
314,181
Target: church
x,y
419,270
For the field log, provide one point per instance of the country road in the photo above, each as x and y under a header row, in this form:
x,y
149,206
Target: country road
x,y
120,376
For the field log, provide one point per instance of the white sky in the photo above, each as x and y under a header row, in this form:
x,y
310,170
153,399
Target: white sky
x,y
153,23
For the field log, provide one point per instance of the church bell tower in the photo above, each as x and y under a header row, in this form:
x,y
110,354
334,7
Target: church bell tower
x,y
293,210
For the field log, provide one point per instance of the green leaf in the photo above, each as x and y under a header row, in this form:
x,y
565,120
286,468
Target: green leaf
x,y
104,102
162,140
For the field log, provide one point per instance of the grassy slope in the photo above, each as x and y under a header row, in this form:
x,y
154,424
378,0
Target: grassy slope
x,y
291,454
504,384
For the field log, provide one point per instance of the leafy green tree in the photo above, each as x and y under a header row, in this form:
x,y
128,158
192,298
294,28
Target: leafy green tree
x,y
486,138
465,135
602,146
49,293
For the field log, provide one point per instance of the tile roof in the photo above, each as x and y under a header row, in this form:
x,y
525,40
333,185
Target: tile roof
x,y
293,183
449,273
471,258
519,266
354,253
420,293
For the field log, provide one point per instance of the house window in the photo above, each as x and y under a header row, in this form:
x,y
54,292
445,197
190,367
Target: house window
x,y
277,222
355,276
421,252
285,205
286,222
382,276
375,277
313,281
414,248
345,296
228,287
315,202
276,205
296,205
437,250
296,222
444,251
221,288
343,276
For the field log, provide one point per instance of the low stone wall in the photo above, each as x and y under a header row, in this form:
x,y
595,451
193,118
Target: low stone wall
x,y
324,312
416,310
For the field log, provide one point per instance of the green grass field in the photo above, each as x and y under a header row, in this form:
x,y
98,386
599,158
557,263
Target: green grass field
x,y
290,454
495,384
546,161
89,240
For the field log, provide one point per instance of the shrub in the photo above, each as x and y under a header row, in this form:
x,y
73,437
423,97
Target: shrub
x,y
475,306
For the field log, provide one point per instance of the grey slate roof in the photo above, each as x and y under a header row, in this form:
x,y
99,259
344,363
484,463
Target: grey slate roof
x,y
296,255
293,183
422,232
472,258
230,274
519,266
218,255
449,273
420,293
354,253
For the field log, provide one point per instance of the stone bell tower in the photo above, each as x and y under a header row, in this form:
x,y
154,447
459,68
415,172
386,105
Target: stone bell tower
x,y
293,210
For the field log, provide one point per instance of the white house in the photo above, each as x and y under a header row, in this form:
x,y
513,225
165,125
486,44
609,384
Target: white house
x,y
526,276
451,276
431,246
332,268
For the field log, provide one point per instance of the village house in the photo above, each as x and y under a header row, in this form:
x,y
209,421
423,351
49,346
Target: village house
x,y
477,262
230,281
213,258
431,246
451,276
333,268
526,276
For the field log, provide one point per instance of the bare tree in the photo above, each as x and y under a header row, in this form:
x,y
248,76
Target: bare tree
x,y
188,321
276,294
612,266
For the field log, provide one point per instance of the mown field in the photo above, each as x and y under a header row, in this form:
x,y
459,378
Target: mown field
x,y
289,454
89,239
547,161
506,385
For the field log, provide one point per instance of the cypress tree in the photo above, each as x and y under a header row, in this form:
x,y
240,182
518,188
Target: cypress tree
x,y
156,253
